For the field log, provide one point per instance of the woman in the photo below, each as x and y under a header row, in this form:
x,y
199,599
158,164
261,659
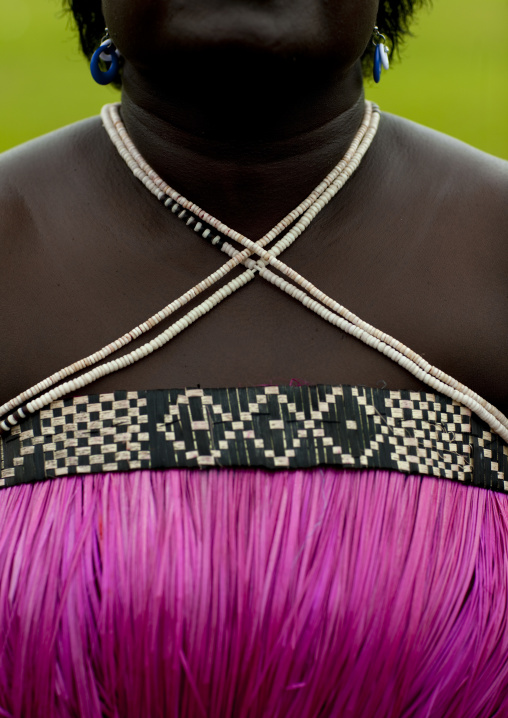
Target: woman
x,y
144,586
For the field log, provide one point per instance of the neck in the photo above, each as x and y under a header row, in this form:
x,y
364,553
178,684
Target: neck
x,y
247,157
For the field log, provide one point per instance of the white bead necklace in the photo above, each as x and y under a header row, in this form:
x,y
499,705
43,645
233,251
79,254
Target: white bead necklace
x,y
319,302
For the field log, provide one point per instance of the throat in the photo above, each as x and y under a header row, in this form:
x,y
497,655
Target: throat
x,y
248,183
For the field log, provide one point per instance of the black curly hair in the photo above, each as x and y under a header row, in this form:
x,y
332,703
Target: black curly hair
x,y
394,19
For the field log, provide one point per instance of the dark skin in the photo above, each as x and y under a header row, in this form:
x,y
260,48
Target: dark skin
x,y
415,243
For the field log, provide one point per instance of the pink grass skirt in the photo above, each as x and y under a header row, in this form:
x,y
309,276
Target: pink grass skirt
x,y
232,593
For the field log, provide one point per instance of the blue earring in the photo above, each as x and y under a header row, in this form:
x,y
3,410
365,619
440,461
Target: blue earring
x,y
381,54
108,53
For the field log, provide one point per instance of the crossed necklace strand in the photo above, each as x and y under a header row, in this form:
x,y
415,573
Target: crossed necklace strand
x,y
216,232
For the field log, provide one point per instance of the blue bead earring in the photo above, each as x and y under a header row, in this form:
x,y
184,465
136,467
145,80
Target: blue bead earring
x,y
108,54
381,54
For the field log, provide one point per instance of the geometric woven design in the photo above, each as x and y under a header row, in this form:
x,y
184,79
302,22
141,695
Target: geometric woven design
x,y
271,427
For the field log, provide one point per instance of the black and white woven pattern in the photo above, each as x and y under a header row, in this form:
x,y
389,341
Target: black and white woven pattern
x,y
272,427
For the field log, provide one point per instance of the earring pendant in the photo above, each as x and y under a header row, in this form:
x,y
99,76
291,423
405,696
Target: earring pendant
x,y
108,54
381,58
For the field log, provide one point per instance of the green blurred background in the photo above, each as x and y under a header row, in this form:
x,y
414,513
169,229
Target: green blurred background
x,y
453,74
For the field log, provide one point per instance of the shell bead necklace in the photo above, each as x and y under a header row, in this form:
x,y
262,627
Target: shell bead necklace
x,y
213,230
25,404
207,225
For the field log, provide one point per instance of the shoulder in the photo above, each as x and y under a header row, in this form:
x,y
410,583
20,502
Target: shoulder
x,y
447,170
447,195
442,212
47,187
422,143
45,154
52,216
39,173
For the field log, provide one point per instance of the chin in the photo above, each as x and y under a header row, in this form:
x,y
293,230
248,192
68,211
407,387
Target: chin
x,y
256,27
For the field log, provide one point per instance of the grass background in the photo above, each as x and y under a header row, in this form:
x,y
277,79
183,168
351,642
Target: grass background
x,y
453,75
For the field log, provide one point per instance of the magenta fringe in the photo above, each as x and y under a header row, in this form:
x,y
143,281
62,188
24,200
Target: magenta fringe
x,y
247,594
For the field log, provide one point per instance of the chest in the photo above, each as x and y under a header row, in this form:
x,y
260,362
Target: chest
x,y
95,286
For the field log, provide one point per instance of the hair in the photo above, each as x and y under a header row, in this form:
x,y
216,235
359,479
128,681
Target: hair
x,y
394,20
248,593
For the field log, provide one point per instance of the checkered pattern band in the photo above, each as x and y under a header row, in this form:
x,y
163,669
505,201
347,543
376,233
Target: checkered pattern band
x,y
273,427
